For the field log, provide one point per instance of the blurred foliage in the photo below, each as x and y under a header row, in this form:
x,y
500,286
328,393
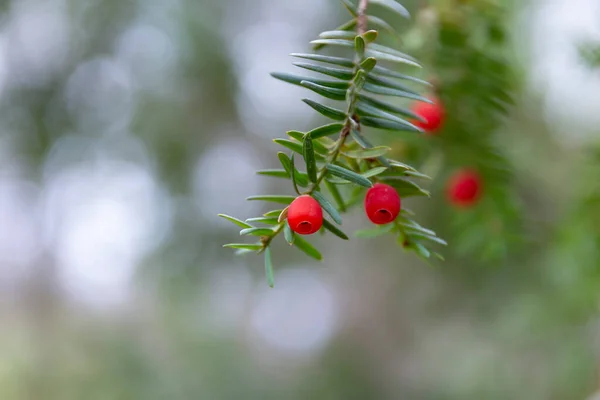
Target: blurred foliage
x,y
464,45
590,52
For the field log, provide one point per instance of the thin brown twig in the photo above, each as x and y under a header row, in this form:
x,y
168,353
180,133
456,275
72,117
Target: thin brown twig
x,y
361,16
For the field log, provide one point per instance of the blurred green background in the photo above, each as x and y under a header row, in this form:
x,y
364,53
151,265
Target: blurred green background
x,y
125,128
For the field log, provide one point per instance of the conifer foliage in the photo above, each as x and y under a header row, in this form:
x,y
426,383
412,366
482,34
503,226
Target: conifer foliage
x,y
335,165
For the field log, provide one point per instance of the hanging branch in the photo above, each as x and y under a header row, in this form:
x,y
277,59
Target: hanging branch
x,y
349,165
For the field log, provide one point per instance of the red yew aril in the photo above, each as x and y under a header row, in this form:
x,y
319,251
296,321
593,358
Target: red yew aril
x,y
464,188
433,114
305,215
382,204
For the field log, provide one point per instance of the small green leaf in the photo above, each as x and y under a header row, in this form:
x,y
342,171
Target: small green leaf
x,y
373,78
296,79
297,135
365,109
325,130
328,207
299,177
277,173
389,107
337,196
285,162
406,211
343,62
309,158
351,176
391,51
370,36
334,42
236,221
307,248
393,6
334,229
241,252
269,267
398,182
381,56
374,232
427,237
360,139
257,231
373,152
397,165
376,89
359,45
327,142
410,224
337,181
337,35
367,174
330,93
246,246
438,256
347,26
350,7
273,213
344,74
387,124
374,172
273,198
382,71
263,220
320,147
295,147
328,112
382,24
288,234
420,249
368,64
416,174
403,187
293,168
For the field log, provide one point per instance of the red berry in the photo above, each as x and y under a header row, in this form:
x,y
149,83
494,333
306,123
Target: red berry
x,y
305,215
382,204
464,188
432,113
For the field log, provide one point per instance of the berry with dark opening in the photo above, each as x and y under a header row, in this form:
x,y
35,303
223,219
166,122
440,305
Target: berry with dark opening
x,y
305,215
464,188
433,114
382,204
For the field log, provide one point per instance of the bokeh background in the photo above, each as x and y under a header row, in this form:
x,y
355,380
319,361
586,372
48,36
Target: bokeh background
x,y
126,127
